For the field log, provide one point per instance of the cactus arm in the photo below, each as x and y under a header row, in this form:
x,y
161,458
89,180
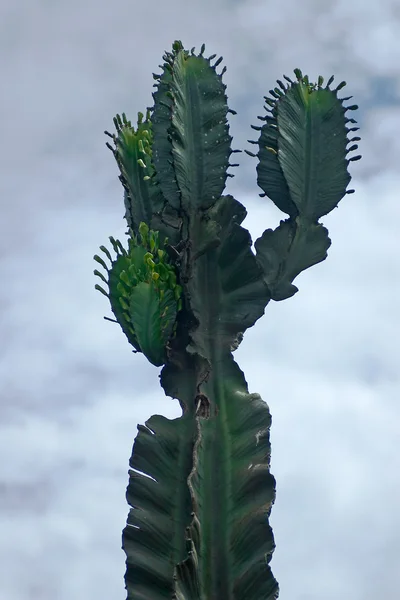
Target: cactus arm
x,y
199,132
144,293
143,197
132,152
303,169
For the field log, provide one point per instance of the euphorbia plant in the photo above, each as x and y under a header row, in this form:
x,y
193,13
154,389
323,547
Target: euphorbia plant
x,y
185,291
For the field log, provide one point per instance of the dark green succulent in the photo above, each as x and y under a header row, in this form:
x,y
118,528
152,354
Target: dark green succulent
x,y
200,487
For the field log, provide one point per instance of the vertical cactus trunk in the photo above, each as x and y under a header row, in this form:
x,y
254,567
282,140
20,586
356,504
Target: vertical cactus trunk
x,y
184,293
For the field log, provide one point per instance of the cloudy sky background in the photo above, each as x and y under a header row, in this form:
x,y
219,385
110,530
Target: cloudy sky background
x,y
326,360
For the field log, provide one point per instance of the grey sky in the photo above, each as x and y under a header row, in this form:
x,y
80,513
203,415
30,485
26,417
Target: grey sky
x,y
326,360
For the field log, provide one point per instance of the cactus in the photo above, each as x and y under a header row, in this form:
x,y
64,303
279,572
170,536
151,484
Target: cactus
x,y
184,293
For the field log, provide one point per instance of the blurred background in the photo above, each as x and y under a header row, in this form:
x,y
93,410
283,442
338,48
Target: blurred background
x,y
326,361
